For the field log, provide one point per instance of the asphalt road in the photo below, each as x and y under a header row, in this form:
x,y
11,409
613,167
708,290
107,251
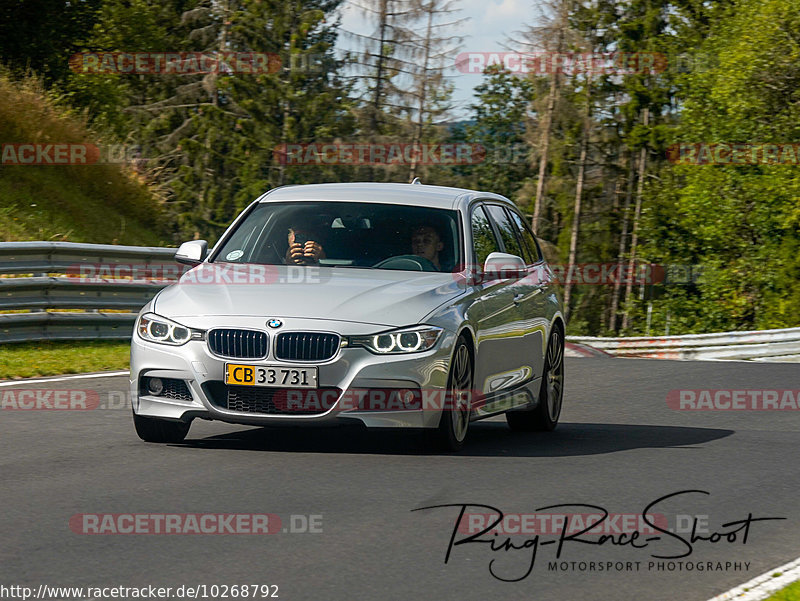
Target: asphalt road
x,y
619,446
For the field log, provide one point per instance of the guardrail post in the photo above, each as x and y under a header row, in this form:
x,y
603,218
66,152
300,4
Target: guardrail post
x,y
37,309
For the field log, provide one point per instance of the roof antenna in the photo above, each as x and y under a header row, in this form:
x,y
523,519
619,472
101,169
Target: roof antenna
x,y
416,181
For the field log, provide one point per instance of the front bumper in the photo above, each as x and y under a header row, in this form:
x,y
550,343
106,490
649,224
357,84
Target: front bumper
x,y
351,369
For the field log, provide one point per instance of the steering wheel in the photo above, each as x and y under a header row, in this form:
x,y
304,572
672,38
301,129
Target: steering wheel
x,y
406,262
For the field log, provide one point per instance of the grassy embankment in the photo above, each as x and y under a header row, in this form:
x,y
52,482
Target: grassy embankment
x,y
97,203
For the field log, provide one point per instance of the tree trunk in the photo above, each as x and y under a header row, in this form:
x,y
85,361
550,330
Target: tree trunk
x,y
417,139
376,101
576,218
635,231
547,121
544,148
623,239
287,81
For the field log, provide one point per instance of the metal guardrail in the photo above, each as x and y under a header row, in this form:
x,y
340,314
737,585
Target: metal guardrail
x,y
27,327
55,257
72,293
66,275
758,345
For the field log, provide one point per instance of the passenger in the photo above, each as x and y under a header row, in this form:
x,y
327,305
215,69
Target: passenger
x,y
427,243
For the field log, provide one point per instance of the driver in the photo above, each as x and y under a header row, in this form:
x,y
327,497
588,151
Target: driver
x,y
427,243
303,249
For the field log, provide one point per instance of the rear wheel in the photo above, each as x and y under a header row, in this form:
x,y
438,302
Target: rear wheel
x,y
151,429
551,393
452,430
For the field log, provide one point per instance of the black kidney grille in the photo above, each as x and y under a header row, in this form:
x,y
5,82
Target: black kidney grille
x,y
239,344
306,346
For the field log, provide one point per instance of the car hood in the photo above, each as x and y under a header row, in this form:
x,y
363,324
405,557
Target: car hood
x,y
380,297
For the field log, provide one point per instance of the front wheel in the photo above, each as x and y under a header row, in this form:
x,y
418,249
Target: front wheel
x,y
452,430
151,429
551,393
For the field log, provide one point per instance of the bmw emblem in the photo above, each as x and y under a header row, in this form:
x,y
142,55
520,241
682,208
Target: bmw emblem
x,y
274,323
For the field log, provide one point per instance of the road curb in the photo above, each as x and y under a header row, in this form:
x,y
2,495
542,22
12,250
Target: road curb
x,y
764,585
573,349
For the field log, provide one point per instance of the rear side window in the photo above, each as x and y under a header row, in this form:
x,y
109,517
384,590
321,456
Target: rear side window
x,y
508,232
484,241
527,238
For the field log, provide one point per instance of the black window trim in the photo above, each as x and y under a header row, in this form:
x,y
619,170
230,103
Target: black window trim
x,y
519,240
497,227
518,235
538,250
498,240
502,245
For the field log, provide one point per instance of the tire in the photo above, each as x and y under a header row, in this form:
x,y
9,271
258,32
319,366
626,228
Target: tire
x,y
151,429
454,423
544,417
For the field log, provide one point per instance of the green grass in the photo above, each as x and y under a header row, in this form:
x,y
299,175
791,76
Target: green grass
x,y
50,358
97,203
790,593
41,203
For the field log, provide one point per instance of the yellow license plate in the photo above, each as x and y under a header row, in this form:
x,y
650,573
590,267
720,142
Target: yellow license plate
x,y
271,376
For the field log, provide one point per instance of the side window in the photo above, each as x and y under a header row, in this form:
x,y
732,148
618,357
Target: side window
x,y
507,231
483,239
527,237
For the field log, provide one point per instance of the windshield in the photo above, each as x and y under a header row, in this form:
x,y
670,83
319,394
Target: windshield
x,y
346,234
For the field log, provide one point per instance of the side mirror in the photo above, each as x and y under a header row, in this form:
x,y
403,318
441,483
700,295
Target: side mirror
x,y
192,253
502,266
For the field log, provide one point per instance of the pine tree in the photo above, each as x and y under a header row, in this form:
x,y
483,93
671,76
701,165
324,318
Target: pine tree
x,y
500,119
430,88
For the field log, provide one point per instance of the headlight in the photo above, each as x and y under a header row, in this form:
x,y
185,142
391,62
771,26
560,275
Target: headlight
x,y
407,340
154,328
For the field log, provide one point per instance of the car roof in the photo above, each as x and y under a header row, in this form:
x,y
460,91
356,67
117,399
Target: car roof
x,y
441,197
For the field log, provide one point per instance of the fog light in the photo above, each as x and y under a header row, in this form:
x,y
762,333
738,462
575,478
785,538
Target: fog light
x,y
155,386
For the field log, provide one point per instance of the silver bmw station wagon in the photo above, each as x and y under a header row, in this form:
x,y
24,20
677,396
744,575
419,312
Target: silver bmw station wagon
x,y
388,305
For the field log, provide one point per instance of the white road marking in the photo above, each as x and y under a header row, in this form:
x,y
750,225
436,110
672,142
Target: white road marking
x,y
103,374
765,585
